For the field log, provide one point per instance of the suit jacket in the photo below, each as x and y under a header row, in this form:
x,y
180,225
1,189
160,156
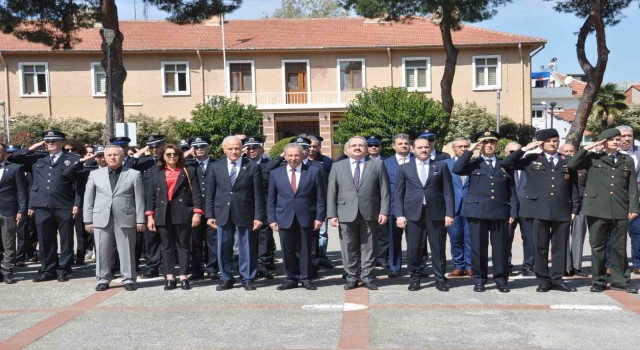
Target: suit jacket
x,y
202,175
240,203
125,203
437,192
439,155
491,194
459,189
53,184
305,205
325,161
392,165
13,190
370,199
551,191
186,197
611,191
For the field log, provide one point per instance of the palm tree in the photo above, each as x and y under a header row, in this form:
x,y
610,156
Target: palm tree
x,y
609,104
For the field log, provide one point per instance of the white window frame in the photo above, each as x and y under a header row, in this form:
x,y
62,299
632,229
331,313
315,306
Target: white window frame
x,y
364,72
175,93
498,73
227,72
94,81
284,79
427,88
46,76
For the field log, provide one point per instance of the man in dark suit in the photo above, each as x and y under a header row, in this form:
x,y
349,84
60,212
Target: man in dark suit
x,y
627,147
459,230
551,200
54,201
490,206
204,239
295,208
235,202
13,209
27,240
315,155
424,206
610,201
358,200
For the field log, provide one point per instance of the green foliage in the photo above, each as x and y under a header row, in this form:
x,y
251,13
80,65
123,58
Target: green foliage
x,y
502,143
218,119
194,11
278,147
609,104
629,117
309,9
388,111
611,14
146,125
521,133
27,129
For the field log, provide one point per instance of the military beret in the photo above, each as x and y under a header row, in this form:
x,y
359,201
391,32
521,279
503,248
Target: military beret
x,y
609,133
53,135
121,141
252,141
199,141
154,140
12,148
374,140
302,141
545,134
487,135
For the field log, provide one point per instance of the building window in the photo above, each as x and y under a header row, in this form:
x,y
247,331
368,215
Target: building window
x,y
417,73
536,114
351,74
99,79
34,79
175,78
486,72
241,77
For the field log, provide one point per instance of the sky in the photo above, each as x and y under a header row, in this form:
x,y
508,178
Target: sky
x,y
526,17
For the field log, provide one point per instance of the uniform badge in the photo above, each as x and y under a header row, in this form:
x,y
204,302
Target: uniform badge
x,y
67,162
566,176
487,133
50,133
198,139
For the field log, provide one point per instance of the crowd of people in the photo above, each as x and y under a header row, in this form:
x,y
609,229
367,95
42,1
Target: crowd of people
x,y
176,205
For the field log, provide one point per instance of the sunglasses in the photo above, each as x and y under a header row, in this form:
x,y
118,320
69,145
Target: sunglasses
x,y
251,148
200,147
69,149
370,145
171,155
431,139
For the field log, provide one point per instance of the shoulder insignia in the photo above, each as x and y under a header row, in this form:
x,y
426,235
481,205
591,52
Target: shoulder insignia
x,y
67,162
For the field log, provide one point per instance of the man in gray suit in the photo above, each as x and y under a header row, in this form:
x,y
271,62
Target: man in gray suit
x,y
114,210
358,201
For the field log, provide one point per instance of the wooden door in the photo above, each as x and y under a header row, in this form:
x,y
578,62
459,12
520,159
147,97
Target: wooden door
x,y
296,82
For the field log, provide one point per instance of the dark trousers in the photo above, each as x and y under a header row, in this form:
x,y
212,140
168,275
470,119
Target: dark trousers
x,y
556,233
460,243
81,237
436,234
395,245
599,230
383,242
247,251
204,249
27,238
152,251
266,246
8,235
211,253
480,231
528,241
296,249
634,234
175,237
50,223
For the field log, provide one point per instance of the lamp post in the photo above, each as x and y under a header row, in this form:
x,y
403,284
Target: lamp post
x,y
109,35
498,92
5,120
553,105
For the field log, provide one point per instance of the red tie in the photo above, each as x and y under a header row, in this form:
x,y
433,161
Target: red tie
x,y
293,180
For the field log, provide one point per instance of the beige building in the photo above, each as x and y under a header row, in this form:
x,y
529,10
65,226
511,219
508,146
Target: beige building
x,y
300,73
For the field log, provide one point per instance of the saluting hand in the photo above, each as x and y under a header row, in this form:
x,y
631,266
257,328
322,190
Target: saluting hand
x,y
533,145
633,216
475,145
36,146
595,144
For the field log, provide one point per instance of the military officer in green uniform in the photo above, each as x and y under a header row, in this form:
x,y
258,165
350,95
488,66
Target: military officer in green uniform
x,y
610,201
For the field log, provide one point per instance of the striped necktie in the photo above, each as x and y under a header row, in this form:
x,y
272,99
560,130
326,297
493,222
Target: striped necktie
x,y
233,174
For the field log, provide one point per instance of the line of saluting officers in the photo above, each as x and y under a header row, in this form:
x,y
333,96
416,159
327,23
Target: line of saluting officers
x,y
179,205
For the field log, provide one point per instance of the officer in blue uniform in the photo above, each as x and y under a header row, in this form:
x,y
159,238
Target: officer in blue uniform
x,y
490,205
54,201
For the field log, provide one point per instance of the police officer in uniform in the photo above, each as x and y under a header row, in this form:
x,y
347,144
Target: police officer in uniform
x,y
490,205
54,202
610,201
551,200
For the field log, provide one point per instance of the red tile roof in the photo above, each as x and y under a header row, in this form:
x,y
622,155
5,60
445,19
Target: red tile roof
x,y
577,86
568,115
275,34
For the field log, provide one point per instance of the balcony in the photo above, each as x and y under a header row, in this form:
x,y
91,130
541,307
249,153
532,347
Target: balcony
x,y
293,100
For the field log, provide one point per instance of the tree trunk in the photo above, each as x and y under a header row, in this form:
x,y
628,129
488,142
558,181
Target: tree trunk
x,y
118,72
449,67
594,74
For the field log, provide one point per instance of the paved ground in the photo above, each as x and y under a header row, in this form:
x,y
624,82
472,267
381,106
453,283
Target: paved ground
x,y
72,315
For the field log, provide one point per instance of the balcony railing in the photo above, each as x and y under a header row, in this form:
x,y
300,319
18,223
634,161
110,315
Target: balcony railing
x,y
291,100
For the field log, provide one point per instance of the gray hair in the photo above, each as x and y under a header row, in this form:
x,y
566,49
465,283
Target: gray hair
x,y
348,143
400,136
512,143
293,145
121,151
458,139
229,139
625,128
313,138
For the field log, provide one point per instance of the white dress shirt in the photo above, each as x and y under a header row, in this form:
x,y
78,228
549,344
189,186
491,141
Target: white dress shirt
x,y
56,157
402,160
205,164
353,163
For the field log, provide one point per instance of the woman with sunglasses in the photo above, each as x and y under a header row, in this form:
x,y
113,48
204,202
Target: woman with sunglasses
x,y
174,206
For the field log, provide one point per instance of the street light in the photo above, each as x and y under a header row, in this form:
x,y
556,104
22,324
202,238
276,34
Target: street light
x,y
109,35
553,105
498,92
5,120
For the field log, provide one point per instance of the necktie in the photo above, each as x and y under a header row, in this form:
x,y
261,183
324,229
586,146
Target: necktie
x,y
233,174
53,159
423,174
356,175
518,177
112,179
613,159
490,163
294,187
402,160
202,166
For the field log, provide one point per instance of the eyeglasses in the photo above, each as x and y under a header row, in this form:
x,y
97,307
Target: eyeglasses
x,y
356,146
171,155
462,146
373,145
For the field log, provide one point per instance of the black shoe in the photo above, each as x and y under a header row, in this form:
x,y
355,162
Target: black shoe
x,y
597,288
350,285
543,287
150,274
424,274
627,289
326,264
47,276
226,285
479,288
184,284
214,276
196,276
265,274
527,271
270,266
511,271
287,285
569,273
414,286
370,285
344,275
101,287
308,285
63,276
394,274
442,286
503,288
580,273
563,287
130,287
79,262
248,285
170,285
20,263
8,278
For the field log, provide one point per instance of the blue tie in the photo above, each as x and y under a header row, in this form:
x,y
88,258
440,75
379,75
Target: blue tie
x,y
234,173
